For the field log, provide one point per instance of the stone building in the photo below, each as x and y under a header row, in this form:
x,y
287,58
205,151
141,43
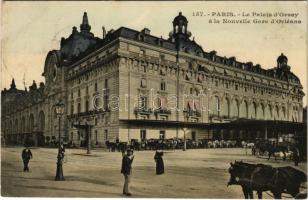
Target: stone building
x,y
132,85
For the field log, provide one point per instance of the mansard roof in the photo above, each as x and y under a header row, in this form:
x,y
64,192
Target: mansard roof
x,y
15,99
81,44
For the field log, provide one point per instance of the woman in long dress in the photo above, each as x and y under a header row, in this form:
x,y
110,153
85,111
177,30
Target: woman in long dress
x,y
159,162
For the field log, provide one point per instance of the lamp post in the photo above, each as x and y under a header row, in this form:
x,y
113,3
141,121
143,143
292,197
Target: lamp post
x,y
59,175
184,146
88,133
208,103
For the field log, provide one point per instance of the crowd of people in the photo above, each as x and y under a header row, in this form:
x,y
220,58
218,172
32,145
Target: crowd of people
x,y
160,145
171,144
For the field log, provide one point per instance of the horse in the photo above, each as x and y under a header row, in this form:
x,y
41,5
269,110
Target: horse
x,y
260,177
271,149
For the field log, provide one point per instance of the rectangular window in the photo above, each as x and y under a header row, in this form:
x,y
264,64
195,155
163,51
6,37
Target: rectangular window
x,y
96,136
143,102
162,135
106,134
78,92
144,68
236,87
78,135
87,90
106,102
72,108
227,85
217,105
106,83
162,86
193,136
87,106
79,108
95,87
143,135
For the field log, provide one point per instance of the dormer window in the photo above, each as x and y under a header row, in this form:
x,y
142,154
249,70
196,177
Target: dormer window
x,y
216,83
162,57
143,83
144,68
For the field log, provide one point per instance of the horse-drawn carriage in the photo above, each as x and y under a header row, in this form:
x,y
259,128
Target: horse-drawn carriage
x,y
275,147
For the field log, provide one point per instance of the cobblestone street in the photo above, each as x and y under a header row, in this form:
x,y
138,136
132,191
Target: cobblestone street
x,y
200,173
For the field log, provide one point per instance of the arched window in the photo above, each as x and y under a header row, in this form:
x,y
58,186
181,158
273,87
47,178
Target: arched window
x,y
277,111
270,111
41,121
284,112
228,108
143,83
263,111
254,110
176,29
16,125
246,109
31,123
217,102
87,106
237,106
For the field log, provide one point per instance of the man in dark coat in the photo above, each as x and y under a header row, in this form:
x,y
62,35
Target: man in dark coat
x,y
126,170
160,169
26,156
295,155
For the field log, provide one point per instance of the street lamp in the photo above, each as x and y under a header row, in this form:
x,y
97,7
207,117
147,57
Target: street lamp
x,y
59,111
184,146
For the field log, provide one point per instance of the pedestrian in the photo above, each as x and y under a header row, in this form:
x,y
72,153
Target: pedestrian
x,y
26,156
295,155
126,170
117,144
160,169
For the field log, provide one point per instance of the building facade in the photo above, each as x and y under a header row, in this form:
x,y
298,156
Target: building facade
x,y
132,85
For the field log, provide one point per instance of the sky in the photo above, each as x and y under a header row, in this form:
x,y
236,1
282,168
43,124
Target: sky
x,y
31,29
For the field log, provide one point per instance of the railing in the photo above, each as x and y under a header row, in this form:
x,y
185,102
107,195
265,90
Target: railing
x,y
87,113
162,111
192,113
143,111
224,117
